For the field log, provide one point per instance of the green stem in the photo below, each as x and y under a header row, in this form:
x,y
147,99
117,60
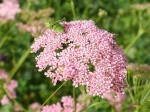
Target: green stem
x,y
73,9
5,36
95,104
134,40
3,41
129,91
22,59
52,94
131,96
74,97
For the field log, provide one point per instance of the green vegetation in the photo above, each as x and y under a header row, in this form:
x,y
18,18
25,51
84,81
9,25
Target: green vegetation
x,y
127,20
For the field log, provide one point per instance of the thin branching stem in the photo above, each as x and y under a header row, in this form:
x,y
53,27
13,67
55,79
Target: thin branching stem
x,y
94,104
141,31
130,93
5,37
3,41
133,42
52,94
18,65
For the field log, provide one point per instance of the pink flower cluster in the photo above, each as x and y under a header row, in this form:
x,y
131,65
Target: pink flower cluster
x,y
8,9
66,105
34,27
34,23
7,85
34,106
84,54
116,101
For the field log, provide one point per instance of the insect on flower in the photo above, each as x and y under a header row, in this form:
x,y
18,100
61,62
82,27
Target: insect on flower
x,y
56,26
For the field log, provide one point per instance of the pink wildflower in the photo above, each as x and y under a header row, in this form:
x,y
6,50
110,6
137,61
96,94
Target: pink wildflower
x,y
10,86
80,107
66,105
67,101
35,106
116,101
34,27
3,74
17,108
4,100
82,102
53,108
7,85
8,9
84,54
34,24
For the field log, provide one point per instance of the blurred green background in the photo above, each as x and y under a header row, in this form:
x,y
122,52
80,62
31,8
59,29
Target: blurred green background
x,y
128,19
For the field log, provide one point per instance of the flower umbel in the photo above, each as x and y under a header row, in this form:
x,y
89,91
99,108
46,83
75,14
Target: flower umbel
x,y
84,54
66,105
8,9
